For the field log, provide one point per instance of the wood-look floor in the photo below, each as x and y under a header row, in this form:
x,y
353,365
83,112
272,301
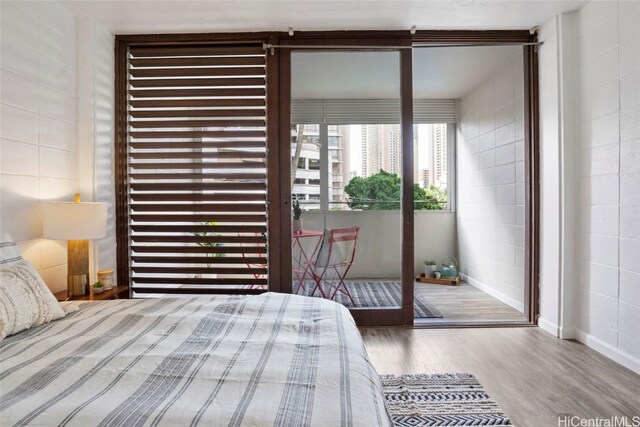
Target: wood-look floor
x,y
465,303
533,376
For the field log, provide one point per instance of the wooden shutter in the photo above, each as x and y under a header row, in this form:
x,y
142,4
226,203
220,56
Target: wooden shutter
x,y
197,176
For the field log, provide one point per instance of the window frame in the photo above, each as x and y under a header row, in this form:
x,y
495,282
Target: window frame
x,y
325,202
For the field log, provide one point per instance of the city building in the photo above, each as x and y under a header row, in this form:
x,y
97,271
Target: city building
x,y
439,166
382,149
424,178
306,186
339,176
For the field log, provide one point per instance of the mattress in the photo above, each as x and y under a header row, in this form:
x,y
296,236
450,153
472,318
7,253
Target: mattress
x,y
269,359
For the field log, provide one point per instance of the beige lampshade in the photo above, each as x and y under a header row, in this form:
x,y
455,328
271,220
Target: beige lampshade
x,y
75,221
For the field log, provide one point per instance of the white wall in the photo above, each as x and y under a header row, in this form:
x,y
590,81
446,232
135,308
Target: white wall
x,y
490,184
378,251
608,293
590,151
550,170
38,127
55,127
95,67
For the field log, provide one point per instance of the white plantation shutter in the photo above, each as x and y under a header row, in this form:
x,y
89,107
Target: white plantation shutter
x,y
370,111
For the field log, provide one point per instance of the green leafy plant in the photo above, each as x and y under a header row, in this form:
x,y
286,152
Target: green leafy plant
x,y
297,211
382,191
432,198
98,285
211,233
430,263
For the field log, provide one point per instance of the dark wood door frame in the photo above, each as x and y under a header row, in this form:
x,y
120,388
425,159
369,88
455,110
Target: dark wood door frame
x,y
407,211
278,124
532,184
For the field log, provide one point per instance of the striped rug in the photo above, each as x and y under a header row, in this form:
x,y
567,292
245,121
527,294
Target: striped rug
x,y
377,294
440,400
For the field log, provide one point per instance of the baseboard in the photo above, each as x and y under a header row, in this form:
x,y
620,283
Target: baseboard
x,y
496,294
613,353
549,327
568,333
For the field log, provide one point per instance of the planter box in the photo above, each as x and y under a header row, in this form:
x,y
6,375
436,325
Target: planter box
x,y
450,281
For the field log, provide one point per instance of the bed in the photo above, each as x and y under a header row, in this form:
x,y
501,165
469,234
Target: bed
x,y
268,359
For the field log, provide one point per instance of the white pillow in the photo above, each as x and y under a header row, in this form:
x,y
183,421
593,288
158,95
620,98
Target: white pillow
x,y
25,300
9,252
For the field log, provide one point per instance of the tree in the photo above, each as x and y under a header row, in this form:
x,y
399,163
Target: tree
x,y
377,192
382,191
432,198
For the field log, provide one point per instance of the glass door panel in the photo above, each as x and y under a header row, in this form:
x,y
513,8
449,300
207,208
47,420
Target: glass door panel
x,y
470,170
346,169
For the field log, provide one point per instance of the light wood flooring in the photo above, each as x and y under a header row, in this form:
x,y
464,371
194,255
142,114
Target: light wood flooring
x,y
465,303
533,376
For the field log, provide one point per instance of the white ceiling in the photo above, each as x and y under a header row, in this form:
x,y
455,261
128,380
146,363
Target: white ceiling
x,y
438,72
152,16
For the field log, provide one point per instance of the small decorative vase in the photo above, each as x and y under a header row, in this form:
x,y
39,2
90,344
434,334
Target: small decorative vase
x,y
98,290
437,274
106,278
428,270
296,225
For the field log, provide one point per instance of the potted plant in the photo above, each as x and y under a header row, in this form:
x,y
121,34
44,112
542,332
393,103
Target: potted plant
x,y
296,224
98,288
429,268
210,245
209,233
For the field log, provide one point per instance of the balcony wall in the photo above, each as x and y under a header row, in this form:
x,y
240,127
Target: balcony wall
x,y
490,185
378,251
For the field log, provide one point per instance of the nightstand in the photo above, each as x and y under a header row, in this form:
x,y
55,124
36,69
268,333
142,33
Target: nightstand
x,y
115,293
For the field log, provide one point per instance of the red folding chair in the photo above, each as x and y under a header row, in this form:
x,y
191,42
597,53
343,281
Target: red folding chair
x,y
335,258
261,266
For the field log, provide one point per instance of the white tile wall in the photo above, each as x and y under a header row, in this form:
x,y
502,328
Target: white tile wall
x,y
104,145
38,134
490,151
609,135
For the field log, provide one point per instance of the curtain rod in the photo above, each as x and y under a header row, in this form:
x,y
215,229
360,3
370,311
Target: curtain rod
x,y
271,47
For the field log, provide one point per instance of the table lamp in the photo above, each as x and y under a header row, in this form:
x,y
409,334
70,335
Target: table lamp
x,y
77,223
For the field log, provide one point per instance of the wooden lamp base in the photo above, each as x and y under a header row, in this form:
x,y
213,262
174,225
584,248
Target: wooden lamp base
x,y
78,267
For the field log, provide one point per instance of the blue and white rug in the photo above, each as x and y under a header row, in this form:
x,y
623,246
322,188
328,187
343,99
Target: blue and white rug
x,y
440,400
377,294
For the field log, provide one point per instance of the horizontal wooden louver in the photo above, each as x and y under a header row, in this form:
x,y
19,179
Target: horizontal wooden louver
x,y
197,169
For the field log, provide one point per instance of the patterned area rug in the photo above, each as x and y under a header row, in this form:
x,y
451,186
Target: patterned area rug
x,y
377,294
440,400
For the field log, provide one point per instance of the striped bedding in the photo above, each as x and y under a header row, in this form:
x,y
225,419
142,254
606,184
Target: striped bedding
x,y
269,359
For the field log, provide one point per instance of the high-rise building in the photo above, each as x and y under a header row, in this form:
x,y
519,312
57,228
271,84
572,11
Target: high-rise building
x,y
392,155
424,178
381,149
371,149
416,152
339,149
307,182
439,168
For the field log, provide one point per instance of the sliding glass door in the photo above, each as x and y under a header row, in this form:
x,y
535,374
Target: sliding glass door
x,y
348,178
222,139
